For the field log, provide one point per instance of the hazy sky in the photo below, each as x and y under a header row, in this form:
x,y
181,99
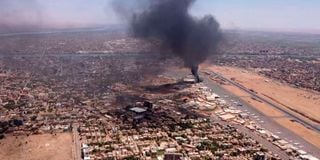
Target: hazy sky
x,y
236,14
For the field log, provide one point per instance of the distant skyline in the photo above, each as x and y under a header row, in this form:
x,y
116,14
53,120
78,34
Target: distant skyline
x,y
284,15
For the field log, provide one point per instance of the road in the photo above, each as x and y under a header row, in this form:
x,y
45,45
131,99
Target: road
x,y
265,143
263,120
297,118
76,141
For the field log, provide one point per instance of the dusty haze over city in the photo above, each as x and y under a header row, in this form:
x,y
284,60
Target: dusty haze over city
x,y
286,15
159,79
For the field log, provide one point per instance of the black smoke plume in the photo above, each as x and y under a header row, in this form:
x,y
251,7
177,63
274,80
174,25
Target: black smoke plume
x,y
190,38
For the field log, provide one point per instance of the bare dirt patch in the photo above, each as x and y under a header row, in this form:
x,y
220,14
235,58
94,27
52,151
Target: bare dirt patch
x,y
304,101
301,101
37,147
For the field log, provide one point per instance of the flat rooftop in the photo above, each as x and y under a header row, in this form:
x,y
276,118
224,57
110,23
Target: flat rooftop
x,y
138,109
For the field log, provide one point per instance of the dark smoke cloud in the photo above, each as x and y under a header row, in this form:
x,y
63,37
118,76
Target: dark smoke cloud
x,y
169,21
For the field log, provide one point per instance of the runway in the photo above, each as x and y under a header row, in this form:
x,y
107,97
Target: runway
x,y
263,120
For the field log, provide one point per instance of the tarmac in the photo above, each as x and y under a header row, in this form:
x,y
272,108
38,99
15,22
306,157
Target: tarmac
x,y
263,120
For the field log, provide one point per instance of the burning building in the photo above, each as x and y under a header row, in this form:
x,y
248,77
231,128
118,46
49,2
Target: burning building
x,y
185,36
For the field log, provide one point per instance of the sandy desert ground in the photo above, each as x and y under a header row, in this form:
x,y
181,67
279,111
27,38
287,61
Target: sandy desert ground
x,y
304,103
37,147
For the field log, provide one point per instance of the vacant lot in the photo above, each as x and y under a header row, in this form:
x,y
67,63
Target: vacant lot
x,y
37,147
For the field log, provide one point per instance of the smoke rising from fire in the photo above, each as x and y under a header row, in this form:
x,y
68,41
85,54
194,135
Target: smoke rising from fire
x,y
190,38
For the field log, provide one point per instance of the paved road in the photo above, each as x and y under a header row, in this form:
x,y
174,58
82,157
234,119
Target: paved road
x,y
265,143
263,120
76,141
297,118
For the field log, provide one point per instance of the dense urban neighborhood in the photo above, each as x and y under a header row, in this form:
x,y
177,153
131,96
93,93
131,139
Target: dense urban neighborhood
x,y
119,99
